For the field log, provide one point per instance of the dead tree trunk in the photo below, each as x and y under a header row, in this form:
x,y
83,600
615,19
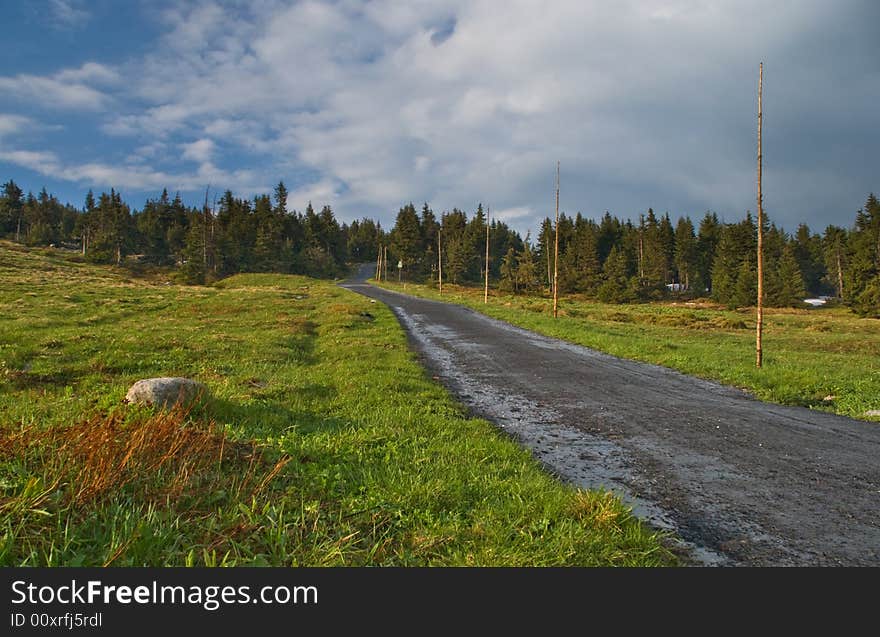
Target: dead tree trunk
x,y
556,252
486,290
205,231
378,263
439,263
759,352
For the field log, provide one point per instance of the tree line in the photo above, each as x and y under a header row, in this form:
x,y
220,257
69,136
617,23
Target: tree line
x,y
206,243
622,261
612,260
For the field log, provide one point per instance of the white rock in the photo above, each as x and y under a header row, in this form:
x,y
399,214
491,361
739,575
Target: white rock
x,y
166,392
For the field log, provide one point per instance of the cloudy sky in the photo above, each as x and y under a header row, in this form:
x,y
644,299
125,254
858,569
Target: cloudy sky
x,y
366,105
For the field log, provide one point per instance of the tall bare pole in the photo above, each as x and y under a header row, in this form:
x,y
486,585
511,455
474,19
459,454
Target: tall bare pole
x,y
759,352
378,264
439,263
205,230
556,252
486,290
385,263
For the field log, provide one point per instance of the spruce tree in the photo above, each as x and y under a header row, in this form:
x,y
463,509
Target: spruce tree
x,y
708,237
685,251
509,271
790,291
527,276
726,266
406,239
834,254
861,281
617,286
11,205
745,290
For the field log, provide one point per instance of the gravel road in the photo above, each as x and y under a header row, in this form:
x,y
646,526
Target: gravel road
x,y
743,482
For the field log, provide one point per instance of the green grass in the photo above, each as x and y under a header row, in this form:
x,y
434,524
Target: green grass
x,y
822,358
325,443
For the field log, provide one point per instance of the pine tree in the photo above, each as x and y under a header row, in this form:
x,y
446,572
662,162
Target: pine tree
x,y
726,266
618,285
745,292
808,252
667,247
193,263
790,290
455,245
475,234
707,245
861,281
114,229
406,239
545,241
527,277
11,205
834,253
429,228
268,242
653,258
153,224
508,271
685,251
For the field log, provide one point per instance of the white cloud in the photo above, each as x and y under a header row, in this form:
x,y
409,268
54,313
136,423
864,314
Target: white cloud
x,y
89,72
376,103
11,124
511,214
201,150
67,89
134,177
68,13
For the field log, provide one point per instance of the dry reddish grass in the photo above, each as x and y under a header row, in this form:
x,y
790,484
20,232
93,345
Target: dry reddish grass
x,y
165,454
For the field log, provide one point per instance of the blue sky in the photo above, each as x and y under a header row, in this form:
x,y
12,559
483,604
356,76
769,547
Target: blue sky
x,y
368,105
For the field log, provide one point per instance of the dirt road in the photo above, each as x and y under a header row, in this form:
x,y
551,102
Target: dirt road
x,y
742,481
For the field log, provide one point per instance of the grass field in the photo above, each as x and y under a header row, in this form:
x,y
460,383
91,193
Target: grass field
x,y
823,358
324,444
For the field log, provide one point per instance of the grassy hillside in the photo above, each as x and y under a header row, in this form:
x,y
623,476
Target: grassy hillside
x,y
325,443
823,358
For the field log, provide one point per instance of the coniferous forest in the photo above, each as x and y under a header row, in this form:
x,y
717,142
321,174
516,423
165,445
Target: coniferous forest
x,y
648,258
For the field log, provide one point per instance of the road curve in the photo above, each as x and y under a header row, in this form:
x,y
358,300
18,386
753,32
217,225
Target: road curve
x,y
743,482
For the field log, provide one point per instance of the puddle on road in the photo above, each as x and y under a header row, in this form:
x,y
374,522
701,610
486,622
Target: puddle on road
x,y
575,456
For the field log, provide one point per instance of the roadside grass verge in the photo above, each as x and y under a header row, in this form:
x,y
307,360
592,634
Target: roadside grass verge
x,y
324,442
821,358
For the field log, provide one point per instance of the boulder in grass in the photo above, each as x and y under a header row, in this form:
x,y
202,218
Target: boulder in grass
x,y
166,392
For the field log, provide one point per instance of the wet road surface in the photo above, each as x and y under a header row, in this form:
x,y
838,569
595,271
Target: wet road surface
x,y
743,482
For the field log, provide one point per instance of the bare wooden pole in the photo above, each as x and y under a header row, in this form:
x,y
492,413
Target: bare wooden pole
x,y
759,351
556,252
439,263
486,290
213,254
205,231
549,274
378,263
385,263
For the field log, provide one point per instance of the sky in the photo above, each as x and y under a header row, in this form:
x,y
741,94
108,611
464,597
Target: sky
x,y
368,105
